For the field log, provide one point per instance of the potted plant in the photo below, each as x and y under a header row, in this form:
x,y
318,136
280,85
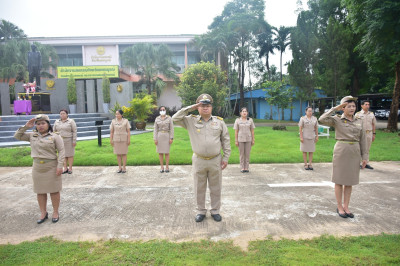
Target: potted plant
x,y
106,94
142,107
71,94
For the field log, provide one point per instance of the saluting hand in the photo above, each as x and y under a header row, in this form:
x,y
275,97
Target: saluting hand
x,y
30,123
341,106
224,165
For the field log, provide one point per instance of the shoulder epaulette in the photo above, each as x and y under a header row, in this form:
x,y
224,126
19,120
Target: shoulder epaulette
x,y
56,132
193,115
220,118
338,115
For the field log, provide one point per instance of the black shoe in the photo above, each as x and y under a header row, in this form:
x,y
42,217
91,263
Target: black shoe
x,y
54,220
310,168
44,219
369,167
123,171
199,218
65,172
243,171
216,217
246,171
306,167
119,171
341,215
162,171
350,215
167,171
69,172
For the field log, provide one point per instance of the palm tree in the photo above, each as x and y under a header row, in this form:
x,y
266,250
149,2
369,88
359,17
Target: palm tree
x,y
282,40
9,31
266,43
150,61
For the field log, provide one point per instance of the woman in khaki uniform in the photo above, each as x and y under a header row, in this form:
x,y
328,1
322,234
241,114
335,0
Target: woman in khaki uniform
x,y
351,145
244,138
163,136
47,168
308,127
120,139
66,127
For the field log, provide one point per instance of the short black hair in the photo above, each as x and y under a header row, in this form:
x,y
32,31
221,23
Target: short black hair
x,y
308,107
162,107
120,111
244,107
365,101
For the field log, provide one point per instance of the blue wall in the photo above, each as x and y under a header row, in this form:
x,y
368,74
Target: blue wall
x,y
262,107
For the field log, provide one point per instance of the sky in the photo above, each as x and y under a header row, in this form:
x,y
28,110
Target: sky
x,y
54,18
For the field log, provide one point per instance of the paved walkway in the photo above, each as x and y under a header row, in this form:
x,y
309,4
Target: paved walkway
x,y
278,200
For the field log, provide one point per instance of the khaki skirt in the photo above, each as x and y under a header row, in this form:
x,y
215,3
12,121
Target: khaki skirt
x,y
68,148
44,175
308,145
346,163
163,142
121,147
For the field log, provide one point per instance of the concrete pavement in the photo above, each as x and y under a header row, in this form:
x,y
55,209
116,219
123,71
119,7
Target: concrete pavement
x,y
278,200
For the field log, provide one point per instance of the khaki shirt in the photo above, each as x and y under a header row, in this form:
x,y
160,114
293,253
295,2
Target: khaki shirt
x,y
66,129
164,126
43,147
369,119
244,128
120,129
346,130
207,137
308,126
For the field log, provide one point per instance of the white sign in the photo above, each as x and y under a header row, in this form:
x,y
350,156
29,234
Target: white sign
x,y
100,55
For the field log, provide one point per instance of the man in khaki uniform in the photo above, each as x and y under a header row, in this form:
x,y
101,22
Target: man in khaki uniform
x,y
369,126
208,134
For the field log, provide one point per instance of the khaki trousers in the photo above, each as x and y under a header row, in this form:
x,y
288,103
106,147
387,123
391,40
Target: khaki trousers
x,y
369,142
244,151
207,171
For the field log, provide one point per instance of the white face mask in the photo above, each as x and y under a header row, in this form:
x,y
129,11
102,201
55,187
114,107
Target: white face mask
x,y
163,112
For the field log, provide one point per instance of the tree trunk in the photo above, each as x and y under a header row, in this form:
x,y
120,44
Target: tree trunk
x,y
281,66
267,65
270,114
393,116
283,113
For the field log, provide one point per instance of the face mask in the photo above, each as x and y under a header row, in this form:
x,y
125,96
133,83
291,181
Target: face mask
x,y
163,112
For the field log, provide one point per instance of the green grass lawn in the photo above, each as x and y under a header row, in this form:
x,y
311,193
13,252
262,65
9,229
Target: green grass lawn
x,y
271,146
324,250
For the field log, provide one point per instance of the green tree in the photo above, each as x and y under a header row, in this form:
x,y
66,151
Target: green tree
x,y
203,77
334,59
150,61
240,20
282,40
304,44
106,90
379,24
71,90
266,44
9,31
278,94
